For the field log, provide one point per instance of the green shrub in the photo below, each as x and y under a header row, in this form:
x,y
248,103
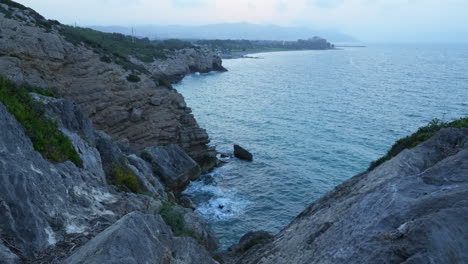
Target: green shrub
x,y
254,242
45,136
165,82
176,221
133,78
106,59
423,134
13,4
122,176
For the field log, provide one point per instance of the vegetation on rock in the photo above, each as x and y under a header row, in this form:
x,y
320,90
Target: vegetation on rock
x,y
176,221
121,175
44,134
254,242
423,134
133,78
123,45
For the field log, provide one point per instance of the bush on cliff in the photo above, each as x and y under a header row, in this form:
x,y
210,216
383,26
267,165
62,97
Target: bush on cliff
x,y
176,221
121,175
423,134
133,78
45,136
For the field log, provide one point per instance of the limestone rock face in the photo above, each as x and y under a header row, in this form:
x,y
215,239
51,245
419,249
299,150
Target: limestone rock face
x,y
139,238
142,113
173,165
48,209
185,61
411,209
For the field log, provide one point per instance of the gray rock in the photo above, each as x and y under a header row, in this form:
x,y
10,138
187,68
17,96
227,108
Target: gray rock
x,y
140,238
173,165
57,202
199,226
122,109
6,256
241,153
186,202
143,171
411,209
136,115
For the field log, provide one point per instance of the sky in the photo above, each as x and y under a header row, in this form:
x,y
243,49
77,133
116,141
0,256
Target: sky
x,y
367,20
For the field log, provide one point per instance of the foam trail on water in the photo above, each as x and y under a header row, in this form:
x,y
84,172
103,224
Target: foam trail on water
x,y
215,203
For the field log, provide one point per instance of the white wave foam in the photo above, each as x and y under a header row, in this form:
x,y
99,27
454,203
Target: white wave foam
x,y
217,203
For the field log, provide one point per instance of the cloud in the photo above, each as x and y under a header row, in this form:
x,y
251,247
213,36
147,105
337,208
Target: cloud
x,y
189,3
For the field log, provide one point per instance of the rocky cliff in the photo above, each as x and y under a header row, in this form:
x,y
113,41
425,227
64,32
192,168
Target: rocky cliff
x,y
411,209
122,96
59,213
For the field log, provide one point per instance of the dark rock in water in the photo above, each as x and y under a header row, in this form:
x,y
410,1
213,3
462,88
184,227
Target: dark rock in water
x,y
140,238
410,209
225,155
241,153
220,206
173,165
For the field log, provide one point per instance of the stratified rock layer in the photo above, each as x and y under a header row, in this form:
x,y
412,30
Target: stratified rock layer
x,y
411,209
143,113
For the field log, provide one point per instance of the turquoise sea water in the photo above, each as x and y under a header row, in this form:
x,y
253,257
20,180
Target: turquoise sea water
x,y
313,119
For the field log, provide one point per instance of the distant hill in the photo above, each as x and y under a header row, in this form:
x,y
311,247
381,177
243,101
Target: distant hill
x,y
229,31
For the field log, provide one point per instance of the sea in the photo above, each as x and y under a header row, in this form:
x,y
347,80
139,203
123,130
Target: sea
x,y
312,119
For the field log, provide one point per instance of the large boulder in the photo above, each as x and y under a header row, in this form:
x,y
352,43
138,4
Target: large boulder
x,y
140,238
242,153
411,209
173,165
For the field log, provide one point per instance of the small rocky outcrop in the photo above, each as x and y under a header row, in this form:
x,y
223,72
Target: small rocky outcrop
x,y
411,209
183,62
140,238
242,153
172,165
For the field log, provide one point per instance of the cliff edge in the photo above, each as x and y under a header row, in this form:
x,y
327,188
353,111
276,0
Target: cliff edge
x,y
410,209
130,100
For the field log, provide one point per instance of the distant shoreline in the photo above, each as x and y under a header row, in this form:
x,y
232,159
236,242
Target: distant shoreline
x,y
245,54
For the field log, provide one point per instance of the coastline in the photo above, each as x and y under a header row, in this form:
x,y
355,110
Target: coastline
x,y
246,54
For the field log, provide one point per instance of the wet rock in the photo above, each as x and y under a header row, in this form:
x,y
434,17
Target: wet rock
x,y
241,153
173,165
140,238
225,155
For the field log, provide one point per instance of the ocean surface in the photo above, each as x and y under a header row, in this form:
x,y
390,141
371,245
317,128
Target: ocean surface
x,y
313,119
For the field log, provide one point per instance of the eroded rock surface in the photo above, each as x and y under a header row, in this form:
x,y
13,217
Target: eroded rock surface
x,y
172,165
48,209
142,113
411,209
140,238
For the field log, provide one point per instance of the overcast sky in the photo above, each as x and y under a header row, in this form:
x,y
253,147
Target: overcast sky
x,y
368,20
